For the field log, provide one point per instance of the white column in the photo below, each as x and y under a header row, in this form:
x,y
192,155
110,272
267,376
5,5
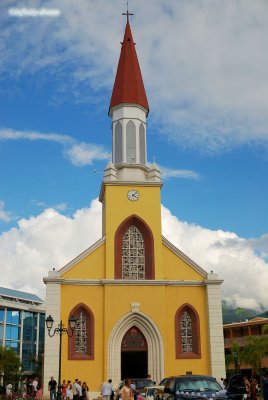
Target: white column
x,y
21,333
215,327
51,354
37,336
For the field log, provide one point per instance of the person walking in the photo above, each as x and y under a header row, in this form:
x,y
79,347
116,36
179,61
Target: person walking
x,y
106,390
52,386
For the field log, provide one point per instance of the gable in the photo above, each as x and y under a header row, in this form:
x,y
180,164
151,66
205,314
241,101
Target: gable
x,y
178,266
88,265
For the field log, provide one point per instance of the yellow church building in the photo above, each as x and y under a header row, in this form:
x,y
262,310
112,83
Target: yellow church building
x,y
141,305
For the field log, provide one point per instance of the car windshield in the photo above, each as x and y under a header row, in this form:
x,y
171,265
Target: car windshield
x,y
197,385
142,383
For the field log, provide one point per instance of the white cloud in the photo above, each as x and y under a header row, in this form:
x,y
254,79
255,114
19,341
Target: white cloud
x,y
204,63
78,153
179,173
85,153
50,240
5,216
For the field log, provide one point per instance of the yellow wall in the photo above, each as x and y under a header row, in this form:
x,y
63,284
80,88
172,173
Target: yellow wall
x,y
109,303
117,208
91,267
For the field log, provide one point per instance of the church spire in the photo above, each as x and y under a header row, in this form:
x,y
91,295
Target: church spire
x,y
128,86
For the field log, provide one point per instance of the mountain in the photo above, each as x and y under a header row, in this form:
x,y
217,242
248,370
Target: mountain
x,y
239,314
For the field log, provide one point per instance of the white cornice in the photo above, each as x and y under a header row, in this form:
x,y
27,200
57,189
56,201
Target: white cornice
x,y
185,258
81,256
124,282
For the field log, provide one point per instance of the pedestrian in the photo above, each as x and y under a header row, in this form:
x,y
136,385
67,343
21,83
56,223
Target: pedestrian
x,y
253,388
76,390
222,383
9,390
265,387
80,396
69,390
106,390
84,391
126,390
39,393
63,389
34,386
52,386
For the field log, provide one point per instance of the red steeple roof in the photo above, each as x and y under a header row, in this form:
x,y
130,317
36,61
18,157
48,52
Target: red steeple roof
x,y
128,85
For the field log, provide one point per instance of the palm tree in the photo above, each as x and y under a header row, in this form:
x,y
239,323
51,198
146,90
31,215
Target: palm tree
x,y
254,352
233,357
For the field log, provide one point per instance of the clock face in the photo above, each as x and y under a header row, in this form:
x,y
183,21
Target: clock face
x,y
133,195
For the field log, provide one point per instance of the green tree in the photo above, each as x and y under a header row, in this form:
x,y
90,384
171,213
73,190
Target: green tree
x,y
233,357
254,352
9,364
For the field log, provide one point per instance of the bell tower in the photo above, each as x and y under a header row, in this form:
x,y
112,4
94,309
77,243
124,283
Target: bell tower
x,y
130,192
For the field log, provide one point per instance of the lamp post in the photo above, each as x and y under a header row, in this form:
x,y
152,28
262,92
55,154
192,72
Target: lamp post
x,y
60,330
235,355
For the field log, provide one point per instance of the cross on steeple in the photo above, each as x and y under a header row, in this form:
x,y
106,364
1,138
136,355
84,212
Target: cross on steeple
x,y
127,13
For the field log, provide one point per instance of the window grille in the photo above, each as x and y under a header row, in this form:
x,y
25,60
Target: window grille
x,y
133,254
186,333
81,333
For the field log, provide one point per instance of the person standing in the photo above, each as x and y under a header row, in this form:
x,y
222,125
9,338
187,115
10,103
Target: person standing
x,y
265,387
52,386
63,389
106,390
80,390
253,388
84,391
69,390
35,384
126,390
9,390
76,390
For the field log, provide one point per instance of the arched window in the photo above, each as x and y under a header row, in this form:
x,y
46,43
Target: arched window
x,y
187,332
142,144
134,250
133,254
81,344
118,144
131,142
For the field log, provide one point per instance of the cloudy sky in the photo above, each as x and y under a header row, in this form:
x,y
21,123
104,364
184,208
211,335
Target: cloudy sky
x,y
204,65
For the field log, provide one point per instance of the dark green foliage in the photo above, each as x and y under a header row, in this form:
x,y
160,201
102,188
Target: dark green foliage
x,y
9,364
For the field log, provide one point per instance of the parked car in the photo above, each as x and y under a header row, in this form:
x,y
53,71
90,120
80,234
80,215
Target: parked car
x,y
153,391
236,388
193,387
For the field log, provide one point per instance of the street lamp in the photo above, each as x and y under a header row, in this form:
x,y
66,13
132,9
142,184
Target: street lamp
x,y
235,361
60,330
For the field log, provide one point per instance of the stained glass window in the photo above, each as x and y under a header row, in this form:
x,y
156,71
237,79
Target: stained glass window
x,y
186,333
81,333
133,254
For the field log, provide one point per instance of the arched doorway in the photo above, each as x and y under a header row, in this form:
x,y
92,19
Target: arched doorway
x,y
134,356
155,352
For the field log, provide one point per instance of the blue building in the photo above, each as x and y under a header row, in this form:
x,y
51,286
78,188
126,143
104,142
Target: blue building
x,y
22,325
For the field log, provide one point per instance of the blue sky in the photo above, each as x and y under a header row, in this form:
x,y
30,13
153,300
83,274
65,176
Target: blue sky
x,y
204,66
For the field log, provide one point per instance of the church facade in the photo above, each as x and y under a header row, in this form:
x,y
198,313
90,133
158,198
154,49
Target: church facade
x,y
141,305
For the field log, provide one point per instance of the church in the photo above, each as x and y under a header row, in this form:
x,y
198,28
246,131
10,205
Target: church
x,y
142,306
